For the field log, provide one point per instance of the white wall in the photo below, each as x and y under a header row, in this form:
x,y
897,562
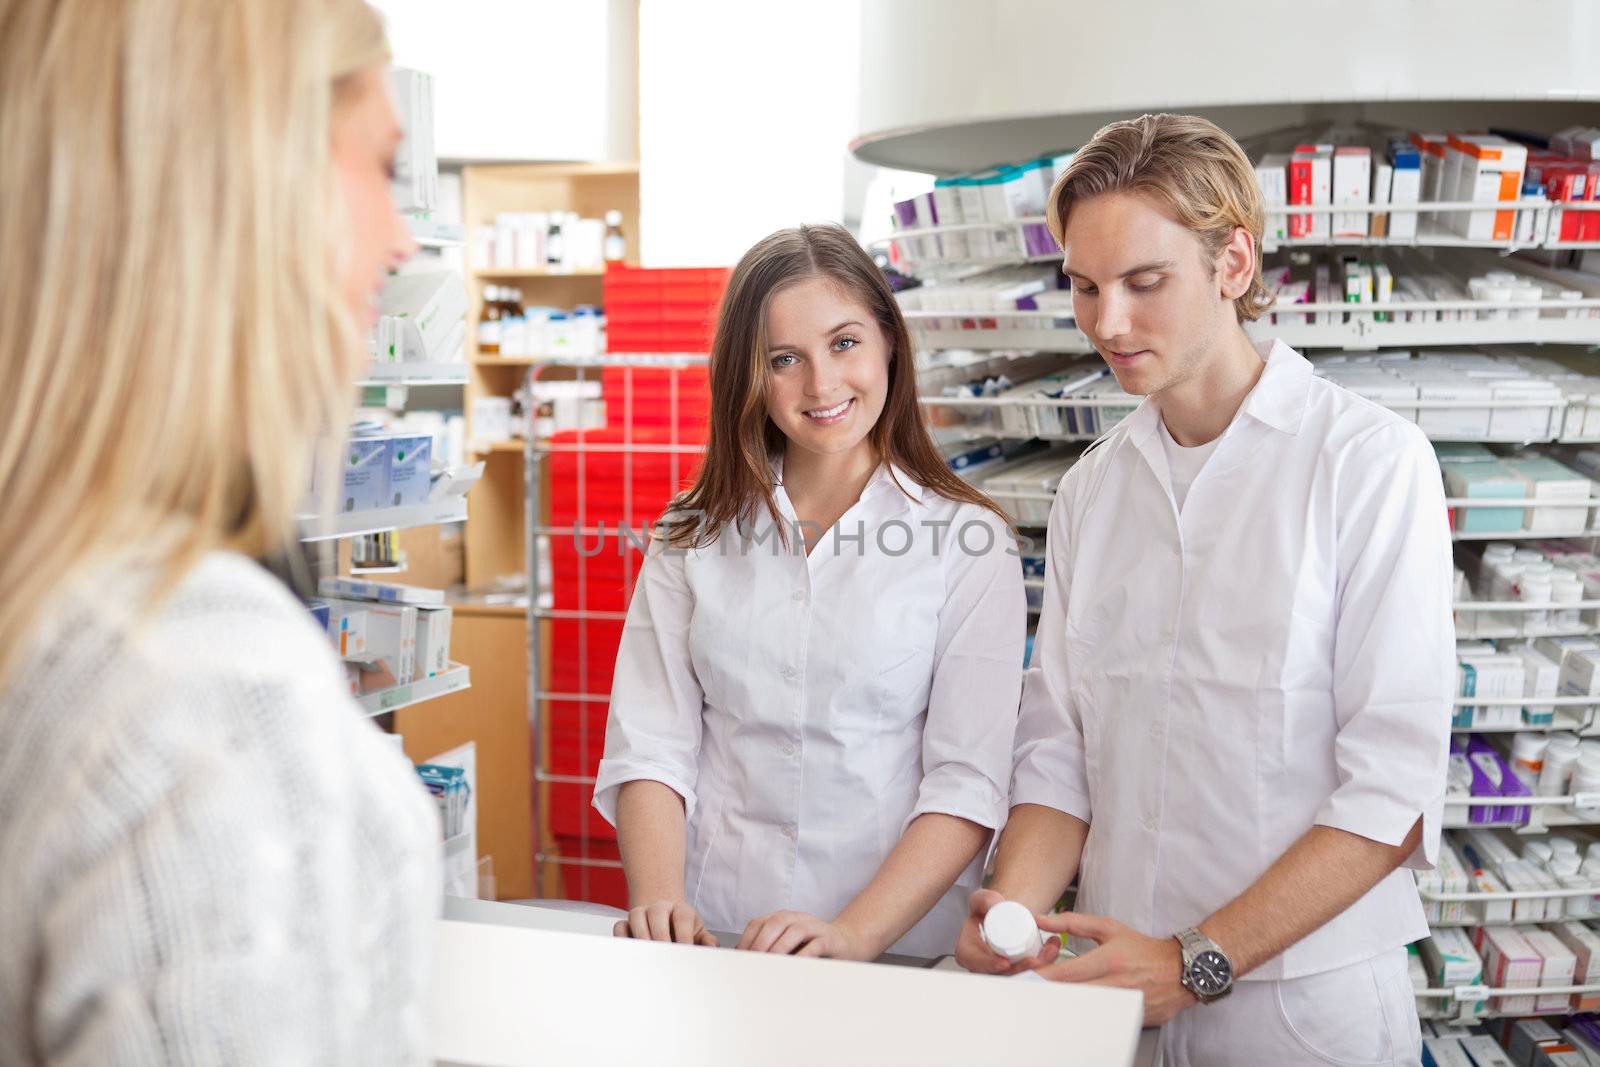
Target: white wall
x,y
523,79
745,116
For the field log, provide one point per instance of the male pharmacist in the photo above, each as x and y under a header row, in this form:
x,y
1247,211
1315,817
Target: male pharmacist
x,y
1235,727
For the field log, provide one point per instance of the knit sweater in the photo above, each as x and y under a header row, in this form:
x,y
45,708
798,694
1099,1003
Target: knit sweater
x,y
207,854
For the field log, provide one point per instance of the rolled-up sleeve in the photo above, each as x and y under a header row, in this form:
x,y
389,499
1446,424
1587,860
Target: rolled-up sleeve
x,y
1048,764
977,678
653,729
1394,644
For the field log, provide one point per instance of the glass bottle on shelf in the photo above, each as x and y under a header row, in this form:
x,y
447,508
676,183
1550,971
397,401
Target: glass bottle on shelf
x,y
489,315
616,244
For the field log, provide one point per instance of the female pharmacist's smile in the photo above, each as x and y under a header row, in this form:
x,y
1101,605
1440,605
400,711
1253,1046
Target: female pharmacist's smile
x,y
827,367
1141,290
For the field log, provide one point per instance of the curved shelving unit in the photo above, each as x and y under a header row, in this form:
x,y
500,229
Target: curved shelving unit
x,y
1071,68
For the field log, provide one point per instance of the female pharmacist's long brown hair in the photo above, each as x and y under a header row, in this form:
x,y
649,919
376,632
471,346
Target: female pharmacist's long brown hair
x,y
736,477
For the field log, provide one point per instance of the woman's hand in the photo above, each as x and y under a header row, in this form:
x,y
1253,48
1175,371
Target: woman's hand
x,y
794,933
666,920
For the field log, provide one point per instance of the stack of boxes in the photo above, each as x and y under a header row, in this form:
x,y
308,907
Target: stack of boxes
x,y
387,635
382,471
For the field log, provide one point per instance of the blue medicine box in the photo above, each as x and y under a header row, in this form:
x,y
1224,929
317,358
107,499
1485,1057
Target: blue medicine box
x,y
410,470
366,474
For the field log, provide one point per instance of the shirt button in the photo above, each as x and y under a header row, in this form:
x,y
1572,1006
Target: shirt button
x,y
1155,731
788,831
788,748
798,595
788,672
1150,823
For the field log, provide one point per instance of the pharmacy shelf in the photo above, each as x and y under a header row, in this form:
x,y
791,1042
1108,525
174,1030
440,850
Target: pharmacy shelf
x,y
513,274
378,520
415,374
1526,535
457,678
452,846
1361,333
431,233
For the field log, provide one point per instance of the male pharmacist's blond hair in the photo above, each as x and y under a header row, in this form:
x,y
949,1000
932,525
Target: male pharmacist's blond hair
x,y
1189,167
173,340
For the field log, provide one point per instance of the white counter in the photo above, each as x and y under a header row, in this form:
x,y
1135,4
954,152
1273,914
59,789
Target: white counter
x,y
524,985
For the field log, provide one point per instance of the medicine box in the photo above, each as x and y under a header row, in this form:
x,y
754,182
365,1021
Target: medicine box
x,y
1543,682
1405,188
347,626
1580,672
1557,969
1486,1052
1511,963
391,636
383,592
1485,168
1523,424
1463,422
410,470
1483,481
1444,1052
415,185
429,308
1584,944
1272,173
1450,958
366,474
1545,479
1522,1036
1352,184
432,642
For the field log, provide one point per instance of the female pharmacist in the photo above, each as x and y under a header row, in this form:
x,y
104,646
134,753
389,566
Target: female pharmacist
x,y
206,854
818,681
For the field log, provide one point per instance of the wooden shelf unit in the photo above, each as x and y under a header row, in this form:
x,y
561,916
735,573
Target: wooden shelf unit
x,y
495,534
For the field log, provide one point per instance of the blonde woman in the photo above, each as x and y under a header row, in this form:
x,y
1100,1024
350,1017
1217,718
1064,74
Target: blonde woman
x,y
206,855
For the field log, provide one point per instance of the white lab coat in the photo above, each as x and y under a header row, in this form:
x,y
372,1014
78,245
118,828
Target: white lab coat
x,y
807,708
1208,686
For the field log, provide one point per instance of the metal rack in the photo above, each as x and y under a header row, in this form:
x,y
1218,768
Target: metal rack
x,y
681,456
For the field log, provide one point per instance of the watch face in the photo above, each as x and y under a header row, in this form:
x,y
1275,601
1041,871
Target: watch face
x,y
1211,973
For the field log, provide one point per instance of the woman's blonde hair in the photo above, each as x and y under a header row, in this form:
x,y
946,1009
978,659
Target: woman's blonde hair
x,y
1188,166
173,340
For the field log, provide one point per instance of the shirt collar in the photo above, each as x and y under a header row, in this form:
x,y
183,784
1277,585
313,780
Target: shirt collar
x,y
889,476
1278,399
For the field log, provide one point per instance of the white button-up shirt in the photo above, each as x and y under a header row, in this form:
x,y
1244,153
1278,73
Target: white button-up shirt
x,y
1207,686
807,708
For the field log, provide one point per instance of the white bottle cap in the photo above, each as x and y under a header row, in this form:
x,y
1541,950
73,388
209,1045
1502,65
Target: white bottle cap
x,y
613,217
1528,555
1541,849
1009,929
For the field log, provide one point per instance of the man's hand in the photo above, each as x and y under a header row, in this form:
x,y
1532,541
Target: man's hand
x,y
1124,958
977,957
794,933
665,920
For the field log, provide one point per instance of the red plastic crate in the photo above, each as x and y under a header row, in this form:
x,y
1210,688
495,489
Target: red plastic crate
x,y
571,813
601,885
671,310
591,671
602,581
577,736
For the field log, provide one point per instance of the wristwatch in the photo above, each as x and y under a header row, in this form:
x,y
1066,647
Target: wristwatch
x,y
1207,971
